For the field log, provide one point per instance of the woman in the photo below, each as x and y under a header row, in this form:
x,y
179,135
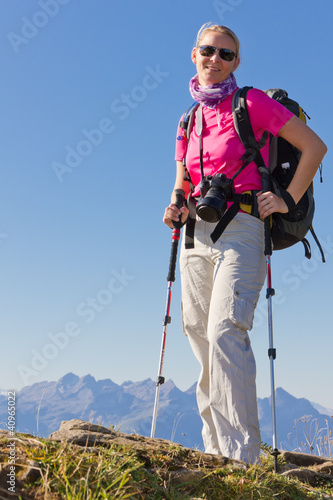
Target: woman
x,y
221,281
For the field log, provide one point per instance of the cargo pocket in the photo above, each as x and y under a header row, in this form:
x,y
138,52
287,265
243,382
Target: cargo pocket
x,y
241,312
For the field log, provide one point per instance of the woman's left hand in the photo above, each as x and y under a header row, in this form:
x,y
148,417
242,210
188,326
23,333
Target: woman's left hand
x,y
268,203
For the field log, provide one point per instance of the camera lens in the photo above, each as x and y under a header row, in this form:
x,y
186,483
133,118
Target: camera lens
x,y
213,205
211,208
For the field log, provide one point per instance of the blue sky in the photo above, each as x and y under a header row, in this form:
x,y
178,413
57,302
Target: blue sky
x,y
91,95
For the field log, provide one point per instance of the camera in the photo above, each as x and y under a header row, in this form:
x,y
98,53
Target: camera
x,y
215,192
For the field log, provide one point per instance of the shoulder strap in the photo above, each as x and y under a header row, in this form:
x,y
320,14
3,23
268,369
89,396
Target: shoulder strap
x,y
244,129
187,126
245,132
187,122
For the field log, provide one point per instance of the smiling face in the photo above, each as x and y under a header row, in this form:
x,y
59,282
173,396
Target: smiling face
x,y
214,69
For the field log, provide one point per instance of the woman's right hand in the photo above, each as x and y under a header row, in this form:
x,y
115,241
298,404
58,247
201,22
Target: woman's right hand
x,y
173,213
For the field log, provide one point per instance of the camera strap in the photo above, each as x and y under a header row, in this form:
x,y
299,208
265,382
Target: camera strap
x,y
247,202
247,158
199,132
224,221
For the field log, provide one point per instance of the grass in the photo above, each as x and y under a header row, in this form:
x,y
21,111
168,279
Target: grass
x,y
137,472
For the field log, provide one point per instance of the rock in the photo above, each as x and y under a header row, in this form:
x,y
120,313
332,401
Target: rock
x,y
309,469
302,459
85,434
31,473
287,467
184,476
326,467
82,433
308,476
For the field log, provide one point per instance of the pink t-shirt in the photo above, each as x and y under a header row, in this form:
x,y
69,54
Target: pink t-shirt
x,y
222,149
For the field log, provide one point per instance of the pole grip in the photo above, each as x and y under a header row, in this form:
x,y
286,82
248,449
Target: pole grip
x,y
180,196
266,186
173,256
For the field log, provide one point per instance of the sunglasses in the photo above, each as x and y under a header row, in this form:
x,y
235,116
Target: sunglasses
x,y
209,50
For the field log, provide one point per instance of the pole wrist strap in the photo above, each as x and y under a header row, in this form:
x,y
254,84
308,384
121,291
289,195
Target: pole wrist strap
x,y
288,199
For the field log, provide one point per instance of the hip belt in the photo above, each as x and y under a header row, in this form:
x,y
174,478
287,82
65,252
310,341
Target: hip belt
x,y
246,202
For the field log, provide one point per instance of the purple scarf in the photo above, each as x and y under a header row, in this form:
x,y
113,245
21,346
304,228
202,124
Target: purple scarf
x,y
212,95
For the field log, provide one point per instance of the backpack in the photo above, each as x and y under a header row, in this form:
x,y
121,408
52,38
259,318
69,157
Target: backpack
x,y
292,227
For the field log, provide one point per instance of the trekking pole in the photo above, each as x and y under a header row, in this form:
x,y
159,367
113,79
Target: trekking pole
x,y
167,318
266,186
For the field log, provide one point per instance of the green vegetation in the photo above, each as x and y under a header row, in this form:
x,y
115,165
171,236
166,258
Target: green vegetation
x,y
147,470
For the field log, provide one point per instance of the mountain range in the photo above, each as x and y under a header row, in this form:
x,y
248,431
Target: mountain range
x,y
41,407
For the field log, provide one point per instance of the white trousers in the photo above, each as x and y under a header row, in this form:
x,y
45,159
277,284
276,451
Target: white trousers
x,y
221,284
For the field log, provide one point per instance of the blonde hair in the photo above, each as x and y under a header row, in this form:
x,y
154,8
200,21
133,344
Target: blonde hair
x,y
219,29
